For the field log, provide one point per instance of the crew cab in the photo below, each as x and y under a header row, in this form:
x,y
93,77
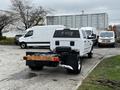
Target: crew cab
x,y
67,46
74,38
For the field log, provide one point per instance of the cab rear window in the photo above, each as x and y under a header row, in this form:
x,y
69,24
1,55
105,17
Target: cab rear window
x,y
66,34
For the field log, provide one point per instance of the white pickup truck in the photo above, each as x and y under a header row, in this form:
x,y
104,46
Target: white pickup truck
x,y
67,46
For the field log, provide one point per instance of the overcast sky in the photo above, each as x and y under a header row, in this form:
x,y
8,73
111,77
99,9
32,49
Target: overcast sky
x,y
112,7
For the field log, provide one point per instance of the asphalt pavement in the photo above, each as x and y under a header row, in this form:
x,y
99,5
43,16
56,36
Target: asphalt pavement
x,y
15,75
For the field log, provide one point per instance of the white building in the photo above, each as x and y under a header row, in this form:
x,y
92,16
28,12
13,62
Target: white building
x,y
98,20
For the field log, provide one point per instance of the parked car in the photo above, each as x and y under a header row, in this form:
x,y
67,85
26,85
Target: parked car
x,y
106,38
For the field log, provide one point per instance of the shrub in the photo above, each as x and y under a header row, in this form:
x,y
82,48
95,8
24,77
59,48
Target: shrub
x,y
7,41
2,37
118,40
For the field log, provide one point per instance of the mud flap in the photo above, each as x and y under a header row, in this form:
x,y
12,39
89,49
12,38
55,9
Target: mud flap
x,y
72,60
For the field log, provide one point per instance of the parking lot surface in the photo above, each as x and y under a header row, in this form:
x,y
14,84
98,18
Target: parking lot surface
x,y
15,75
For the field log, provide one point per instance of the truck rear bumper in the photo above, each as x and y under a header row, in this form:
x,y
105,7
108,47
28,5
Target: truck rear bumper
x,y
103,44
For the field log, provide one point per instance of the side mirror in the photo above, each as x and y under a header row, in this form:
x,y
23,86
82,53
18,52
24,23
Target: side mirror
x,y
90,37
97,36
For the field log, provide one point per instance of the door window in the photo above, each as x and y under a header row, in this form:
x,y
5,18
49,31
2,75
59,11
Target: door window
x,y
84,34
66,34
29,33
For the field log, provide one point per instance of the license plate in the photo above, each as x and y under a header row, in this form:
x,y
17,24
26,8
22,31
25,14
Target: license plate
x,y
105,41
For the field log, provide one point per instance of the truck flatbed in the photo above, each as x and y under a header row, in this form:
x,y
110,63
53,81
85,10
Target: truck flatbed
x,y
41,56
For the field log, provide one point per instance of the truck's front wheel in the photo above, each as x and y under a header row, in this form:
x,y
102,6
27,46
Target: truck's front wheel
x,y
90,55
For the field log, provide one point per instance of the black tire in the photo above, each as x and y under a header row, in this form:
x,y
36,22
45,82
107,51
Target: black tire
x,y
73,61
23,45
36,67
16,43
113,45
90,55
99,45
75,71
95,43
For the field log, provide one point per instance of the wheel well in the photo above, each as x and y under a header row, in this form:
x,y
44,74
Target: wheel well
x,y
22,42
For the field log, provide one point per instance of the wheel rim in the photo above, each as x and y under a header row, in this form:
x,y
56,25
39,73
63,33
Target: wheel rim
x,y
80,65
23,45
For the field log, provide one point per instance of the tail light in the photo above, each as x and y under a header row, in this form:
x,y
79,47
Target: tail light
x,y
57,43
72,43
55,59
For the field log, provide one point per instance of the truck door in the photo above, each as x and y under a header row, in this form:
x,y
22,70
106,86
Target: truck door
x,y
29,36
85,41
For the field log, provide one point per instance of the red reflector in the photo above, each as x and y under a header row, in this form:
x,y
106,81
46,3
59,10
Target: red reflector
x,y
55,59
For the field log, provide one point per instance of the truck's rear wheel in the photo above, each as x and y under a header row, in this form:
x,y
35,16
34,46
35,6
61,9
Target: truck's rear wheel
x,y
76,70
73,61
23,45
36,67
33,65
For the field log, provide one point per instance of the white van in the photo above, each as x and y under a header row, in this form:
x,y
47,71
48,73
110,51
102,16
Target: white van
x,y
91,33
106,38
38,36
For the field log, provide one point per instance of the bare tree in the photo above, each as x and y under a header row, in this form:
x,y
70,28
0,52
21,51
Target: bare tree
x,y
5,20
28,14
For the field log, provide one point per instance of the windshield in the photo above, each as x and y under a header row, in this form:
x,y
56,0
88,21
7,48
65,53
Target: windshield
x,y
106,34
29,33
66,34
